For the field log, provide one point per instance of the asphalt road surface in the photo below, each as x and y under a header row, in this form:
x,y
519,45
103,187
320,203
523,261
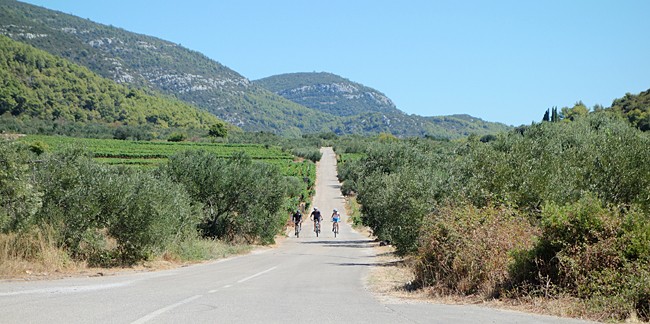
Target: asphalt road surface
x,y
304,280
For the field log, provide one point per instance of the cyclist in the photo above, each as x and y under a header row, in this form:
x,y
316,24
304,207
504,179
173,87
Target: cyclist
x,y
316,217
297,219
336,218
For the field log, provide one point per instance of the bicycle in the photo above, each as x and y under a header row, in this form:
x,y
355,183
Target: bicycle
x,y
335,228
317,228
297,227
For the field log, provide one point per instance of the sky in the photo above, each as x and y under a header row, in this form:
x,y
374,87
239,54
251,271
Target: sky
x,y
501,61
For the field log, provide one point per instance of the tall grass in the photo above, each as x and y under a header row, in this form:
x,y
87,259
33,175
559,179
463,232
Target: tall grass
x,y
465,250
32,252
354,211
198,249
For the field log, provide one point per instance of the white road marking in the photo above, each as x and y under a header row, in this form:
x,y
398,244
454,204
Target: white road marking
x,y
256,275
152,315
66,290
212,291
227,286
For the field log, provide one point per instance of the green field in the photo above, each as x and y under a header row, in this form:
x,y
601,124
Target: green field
x,y
151,154
113,151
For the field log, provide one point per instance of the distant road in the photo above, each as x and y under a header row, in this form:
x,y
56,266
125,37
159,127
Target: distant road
x,y
304,280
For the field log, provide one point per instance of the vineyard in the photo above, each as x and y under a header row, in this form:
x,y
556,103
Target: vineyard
x,y
116,151
151,154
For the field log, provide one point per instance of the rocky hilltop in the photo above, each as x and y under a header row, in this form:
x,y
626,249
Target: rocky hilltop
x,y
366,110
329,93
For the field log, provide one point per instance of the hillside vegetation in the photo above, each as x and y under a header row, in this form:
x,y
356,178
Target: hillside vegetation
x,y
556,210
36,84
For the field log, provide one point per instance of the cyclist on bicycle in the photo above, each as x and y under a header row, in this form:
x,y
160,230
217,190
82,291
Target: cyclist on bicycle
x,y
316,217
297,218
336,218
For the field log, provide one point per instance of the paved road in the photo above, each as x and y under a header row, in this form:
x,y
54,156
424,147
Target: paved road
x,y
306,279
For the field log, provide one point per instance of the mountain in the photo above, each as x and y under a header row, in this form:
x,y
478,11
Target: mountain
x,y
329,93
136,60
37,84
147,61
365,110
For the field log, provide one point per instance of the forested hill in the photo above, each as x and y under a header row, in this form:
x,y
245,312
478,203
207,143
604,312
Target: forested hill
x,y
366,110
38,84
141,60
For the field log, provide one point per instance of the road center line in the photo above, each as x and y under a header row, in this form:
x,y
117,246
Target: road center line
x,y
152,315
257,274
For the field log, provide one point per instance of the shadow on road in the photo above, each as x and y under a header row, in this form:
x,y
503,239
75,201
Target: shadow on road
x,y
368,264
347,243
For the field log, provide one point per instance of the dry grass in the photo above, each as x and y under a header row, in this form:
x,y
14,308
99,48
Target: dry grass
x,y
390,282
34,256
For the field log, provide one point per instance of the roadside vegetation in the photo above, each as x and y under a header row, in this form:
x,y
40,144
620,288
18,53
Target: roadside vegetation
x,y
63,207
555,210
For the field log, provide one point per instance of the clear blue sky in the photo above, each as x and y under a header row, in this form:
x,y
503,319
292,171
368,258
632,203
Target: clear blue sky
x,y
505,61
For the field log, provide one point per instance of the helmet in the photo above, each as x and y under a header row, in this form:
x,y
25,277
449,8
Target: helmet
x,y
335,210
315,208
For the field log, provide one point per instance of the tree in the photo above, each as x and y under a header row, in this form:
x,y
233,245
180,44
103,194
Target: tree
x,y
177,137
578,110
546,115
554,115
218,130
242,199
20,200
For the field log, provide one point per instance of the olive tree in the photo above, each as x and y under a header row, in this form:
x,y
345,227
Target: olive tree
x,y
242,199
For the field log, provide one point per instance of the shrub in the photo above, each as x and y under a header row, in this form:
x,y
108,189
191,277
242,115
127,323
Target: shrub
x,y
312,154
112,216
20,199
154,214
177,137
218,130
242,199
39,147
69,180
393,206
467,250
593,252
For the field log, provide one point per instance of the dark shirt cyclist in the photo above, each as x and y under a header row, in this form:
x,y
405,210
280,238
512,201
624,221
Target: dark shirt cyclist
x,y
296,218
316,217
